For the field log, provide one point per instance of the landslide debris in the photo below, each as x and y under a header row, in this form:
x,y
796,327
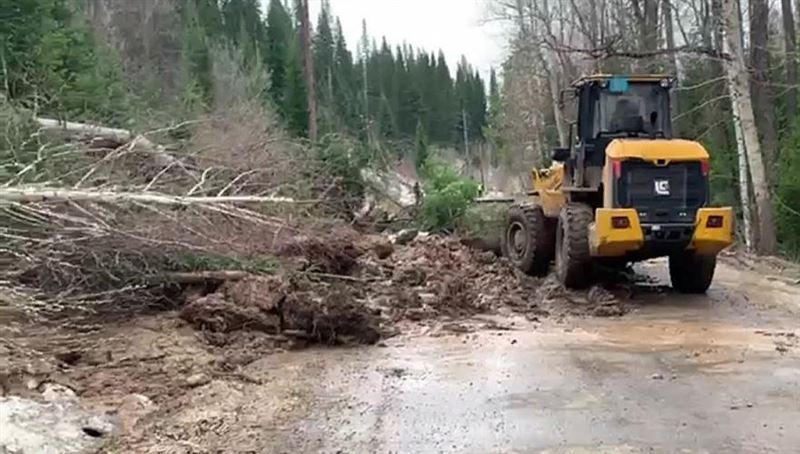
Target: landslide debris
x,y
346,288
281,305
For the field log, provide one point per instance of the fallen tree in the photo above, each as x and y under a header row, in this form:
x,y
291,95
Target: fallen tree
x,y
82,131
97,136
35,194
96,219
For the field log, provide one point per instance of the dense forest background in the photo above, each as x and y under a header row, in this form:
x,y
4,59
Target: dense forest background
x,y
141,65
164,57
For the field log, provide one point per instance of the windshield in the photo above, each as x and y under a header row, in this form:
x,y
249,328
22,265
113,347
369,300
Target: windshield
x,y
641,108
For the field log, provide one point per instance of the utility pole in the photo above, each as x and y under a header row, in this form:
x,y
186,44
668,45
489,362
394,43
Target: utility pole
x,y
308,70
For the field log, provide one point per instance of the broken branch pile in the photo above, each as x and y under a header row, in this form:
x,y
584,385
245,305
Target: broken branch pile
x,y
99,216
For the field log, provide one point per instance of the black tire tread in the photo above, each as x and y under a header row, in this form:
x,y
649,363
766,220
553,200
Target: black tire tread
x,y
576,273
691,273
536,260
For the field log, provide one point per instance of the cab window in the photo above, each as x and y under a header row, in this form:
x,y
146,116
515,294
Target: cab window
x,y
641,110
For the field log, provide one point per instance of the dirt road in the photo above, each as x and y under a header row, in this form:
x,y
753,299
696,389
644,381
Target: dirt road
x,y
678,374
718,373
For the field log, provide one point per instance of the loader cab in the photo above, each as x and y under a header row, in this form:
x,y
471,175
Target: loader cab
x,y
610,107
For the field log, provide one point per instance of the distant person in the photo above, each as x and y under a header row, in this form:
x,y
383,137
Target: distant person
x,y
626,117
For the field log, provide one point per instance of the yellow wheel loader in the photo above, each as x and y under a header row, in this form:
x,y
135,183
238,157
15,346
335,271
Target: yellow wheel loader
x,y
624,191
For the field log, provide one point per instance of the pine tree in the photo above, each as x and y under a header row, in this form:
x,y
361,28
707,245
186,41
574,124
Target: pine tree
x,y
210,15
345,82
294,98
494,117
52,63
494,90
408,102
444,108
420,147
198,83
280,33
324,62
477,106
284,62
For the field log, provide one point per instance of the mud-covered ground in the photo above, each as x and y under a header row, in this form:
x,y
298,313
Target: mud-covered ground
x,y
430,347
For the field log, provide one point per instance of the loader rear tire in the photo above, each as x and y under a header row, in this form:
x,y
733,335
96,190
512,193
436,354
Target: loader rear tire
x,y
527,241
691,273
573,258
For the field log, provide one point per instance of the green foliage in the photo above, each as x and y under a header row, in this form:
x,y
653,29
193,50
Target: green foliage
x,y
492,131
198,84
324,68
52,64
447,197
283,59
788,195
483,220
392,90
420,147
344,160
345,84
17,148
472,100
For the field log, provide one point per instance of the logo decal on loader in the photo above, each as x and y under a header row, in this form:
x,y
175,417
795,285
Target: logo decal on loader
x,y
662,187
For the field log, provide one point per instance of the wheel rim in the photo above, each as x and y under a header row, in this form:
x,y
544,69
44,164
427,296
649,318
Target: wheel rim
x,y
516,240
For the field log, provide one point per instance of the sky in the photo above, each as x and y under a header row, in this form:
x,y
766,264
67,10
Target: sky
x,y
454,26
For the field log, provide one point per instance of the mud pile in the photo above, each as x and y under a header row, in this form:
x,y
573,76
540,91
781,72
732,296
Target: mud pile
x,y
343,288
442,277
282,305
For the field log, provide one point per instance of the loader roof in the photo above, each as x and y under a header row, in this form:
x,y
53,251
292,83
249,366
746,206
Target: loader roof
x,y
630,77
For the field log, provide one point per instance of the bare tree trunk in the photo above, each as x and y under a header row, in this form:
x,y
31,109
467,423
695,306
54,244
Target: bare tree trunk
x,y
651,21
738,84
790,47
744,180
669,33
647,18
713,37
308,70
38,194
523,26
551,68
83,131
104,137
761,97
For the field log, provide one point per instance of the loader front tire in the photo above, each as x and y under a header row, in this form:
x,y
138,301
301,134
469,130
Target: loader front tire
x,y
573,258
526,240
691,273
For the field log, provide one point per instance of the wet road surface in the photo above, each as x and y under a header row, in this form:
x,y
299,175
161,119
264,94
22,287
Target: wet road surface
x,y
717,373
